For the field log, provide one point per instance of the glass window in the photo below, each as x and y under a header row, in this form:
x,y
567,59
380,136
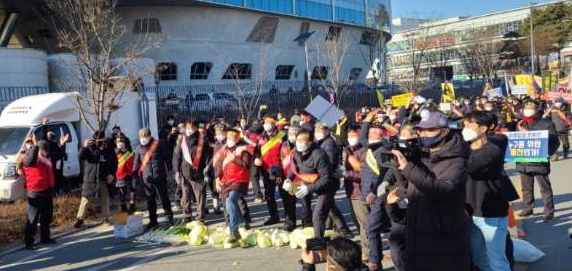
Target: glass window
x,y
264,30
320,72
200,70
354,73
284,72
147,25
238,71
333,32
167,70
11,139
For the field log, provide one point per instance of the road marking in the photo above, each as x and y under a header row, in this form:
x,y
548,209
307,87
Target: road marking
x,y
41,253
101,267
149,258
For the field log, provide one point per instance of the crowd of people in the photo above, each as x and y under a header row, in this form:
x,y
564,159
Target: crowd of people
x,y
432,182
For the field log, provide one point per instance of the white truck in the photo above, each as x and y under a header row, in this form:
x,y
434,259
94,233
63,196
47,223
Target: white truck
x,y
23,117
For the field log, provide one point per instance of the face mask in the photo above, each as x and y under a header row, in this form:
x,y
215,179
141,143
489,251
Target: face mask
x,y
268,127
558,104
220,138
171,122
470,135
392,117
380,116
292,139
302,122
121,146
181,130
190,132
28,145
488,109
353,141
529,112
301,147
230,143
319,136
144,141
431,142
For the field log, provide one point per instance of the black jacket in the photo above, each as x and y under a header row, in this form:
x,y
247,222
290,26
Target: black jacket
x,y
540,124
485,197
155,170
437,225
97,165
329,145
315,161
186,169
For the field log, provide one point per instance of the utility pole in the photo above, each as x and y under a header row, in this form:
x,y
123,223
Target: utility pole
x,y
304,37
532,39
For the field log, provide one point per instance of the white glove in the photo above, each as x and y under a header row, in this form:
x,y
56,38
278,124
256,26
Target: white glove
x,y
287,185
302,192
382,189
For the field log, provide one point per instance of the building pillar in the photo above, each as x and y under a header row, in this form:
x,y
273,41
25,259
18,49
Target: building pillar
x,y
7,28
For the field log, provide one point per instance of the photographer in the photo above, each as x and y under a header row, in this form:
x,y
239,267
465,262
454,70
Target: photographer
x,y
437,225
341,254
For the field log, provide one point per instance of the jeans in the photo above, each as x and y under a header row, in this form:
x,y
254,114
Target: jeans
x,y
234,214
494,231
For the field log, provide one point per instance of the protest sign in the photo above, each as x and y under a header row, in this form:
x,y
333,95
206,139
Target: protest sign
x,y
519,90
445,107
448,92
324,111
401,100
495,92
550,96
529,146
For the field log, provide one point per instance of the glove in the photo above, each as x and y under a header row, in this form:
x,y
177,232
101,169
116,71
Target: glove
x,y
287,185
382,189
302,192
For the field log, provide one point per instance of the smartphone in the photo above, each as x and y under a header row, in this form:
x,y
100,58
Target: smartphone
x,y
318,247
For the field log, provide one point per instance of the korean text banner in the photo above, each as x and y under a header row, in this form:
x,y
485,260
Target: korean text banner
x,y
529,146
401,100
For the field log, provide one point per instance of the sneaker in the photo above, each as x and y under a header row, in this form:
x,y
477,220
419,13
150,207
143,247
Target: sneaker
x,y
271,221
78,223
548,218
525,213
48,241
29,247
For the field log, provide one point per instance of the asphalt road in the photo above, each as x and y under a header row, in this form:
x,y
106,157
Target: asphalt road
x,y
96,249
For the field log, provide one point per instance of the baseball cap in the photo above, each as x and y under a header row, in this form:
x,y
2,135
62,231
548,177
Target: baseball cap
x,y
432,120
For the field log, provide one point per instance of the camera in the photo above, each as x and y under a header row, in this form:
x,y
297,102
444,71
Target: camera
x,y
318,247
411,149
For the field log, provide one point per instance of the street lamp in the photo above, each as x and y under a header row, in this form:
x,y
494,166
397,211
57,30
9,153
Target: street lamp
x,y
304,38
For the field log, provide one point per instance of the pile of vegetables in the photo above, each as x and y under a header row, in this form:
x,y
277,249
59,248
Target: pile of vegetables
x,y
197,234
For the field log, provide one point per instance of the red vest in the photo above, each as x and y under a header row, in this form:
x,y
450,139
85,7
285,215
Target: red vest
x,y
286,156
272,157
126,170
232,173
40,176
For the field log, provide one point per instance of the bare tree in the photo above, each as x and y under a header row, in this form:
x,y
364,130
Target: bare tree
x,y
93,33
332,54
417,54
480,55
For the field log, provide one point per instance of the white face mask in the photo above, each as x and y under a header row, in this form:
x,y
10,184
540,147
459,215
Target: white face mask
x,y
319,136
488,109
230,143
121,146
529,112
28,146
558,104
292,139
268,127
301,147
353,141
145,140
190,132
469,135
171,122
220,138
181,130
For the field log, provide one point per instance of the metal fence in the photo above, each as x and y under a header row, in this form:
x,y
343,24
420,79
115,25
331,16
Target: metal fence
x,y
10,94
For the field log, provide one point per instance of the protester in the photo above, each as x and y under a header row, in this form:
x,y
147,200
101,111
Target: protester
x,y
40,184
125,183
149,166
437,226
341,254
486,201
533,121
232,178
562,119
100,166
57,154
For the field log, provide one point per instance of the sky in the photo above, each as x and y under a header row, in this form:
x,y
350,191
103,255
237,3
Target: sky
x,y
438,9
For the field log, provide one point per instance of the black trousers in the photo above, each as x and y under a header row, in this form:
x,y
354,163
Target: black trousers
x,y
397,245
289,203
270,194
40,209
336,218
127,191
563,136
527,181
198,190
152,189
324,203
255,180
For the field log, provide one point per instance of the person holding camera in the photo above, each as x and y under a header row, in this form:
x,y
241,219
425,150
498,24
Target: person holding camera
x,y
99,166
486,201
437,224
372,174
341,254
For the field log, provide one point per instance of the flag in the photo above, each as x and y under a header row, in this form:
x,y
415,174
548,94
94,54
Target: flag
x,y
380,97
448,92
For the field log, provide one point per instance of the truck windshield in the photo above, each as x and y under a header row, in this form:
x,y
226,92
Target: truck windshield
x,y
11,139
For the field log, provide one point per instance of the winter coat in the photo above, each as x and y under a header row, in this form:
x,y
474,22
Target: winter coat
x,y
562,125
315,161
97,165
369,180
352,176
329,145
437,225
539,124
38,174
155,170
186,169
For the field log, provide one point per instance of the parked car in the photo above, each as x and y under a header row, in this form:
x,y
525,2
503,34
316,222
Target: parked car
x,y
205,102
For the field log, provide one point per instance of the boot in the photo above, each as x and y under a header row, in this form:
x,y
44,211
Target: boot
x,y
78,223
170,220
565,153
131,208
234,237
151,225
